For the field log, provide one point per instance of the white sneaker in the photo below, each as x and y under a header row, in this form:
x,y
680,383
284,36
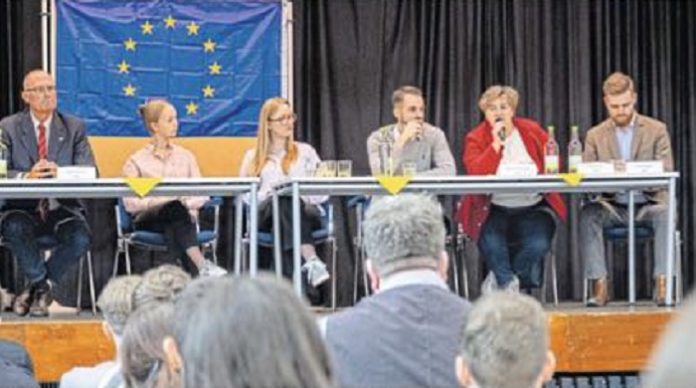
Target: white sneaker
x,y
514,286
489,284
316,271
211,269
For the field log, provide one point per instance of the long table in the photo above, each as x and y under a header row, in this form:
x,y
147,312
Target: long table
x,y
117,187
457,185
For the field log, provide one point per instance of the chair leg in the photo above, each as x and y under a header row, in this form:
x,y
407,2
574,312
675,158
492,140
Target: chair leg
x,y
455,267
117,255
333,274
128,260
79,286
554,279
679,285
92,292
461,252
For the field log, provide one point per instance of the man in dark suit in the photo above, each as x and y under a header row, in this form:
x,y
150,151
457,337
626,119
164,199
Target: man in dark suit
x,y
625,136
38,140
405,335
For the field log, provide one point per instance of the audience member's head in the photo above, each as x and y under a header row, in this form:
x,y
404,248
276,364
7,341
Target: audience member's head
x,y
143,362
505,344
404,232
673,361
116,302
160,284
255,333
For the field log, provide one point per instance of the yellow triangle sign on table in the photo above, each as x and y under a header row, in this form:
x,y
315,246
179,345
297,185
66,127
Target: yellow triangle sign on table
x,y
393,184
572,179
142,186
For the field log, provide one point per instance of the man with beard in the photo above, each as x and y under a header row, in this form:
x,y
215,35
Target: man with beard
x,y
624,136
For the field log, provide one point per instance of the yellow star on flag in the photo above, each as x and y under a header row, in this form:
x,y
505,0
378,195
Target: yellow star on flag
x,y
169,22
209,46
208,91
193,28
123,67
215,68
130,44
147,27
129,90
191,108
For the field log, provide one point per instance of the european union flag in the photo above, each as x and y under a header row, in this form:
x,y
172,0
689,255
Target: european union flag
x,y
215,60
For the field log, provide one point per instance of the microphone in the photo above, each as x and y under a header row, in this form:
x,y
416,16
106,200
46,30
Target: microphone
x,y
501,131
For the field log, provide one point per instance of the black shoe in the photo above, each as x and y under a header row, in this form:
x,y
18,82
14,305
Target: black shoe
x,y
42,299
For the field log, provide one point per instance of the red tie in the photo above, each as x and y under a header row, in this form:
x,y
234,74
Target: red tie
x,y
43,147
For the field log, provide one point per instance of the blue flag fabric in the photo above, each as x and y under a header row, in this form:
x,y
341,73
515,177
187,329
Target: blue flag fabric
x,y
215,60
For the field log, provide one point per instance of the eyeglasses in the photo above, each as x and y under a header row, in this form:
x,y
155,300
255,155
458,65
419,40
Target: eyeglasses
x,y
292,117
42,89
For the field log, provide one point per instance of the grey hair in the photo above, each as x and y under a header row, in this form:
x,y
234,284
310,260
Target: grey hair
x,y
404,231
256,333
160,284
143,360
116,301
400,93
672,362
505,341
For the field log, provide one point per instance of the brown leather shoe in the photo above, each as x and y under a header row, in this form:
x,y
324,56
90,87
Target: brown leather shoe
x,y
600,293
23,302
42,299
660,291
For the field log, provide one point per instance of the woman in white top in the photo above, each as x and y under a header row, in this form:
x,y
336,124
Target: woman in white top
x,y
276,157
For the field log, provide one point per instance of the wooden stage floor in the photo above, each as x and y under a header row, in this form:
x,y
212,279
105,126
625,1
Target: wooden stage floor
x,y
617,338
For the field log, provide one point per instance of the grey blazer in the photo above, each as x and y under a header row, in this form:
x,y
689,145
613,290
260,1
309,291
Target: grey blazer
x,y
650,142
431,153
67,146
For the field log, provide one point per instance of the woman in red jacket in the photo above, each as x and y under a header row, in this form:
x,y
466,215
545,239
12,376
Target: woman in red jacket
x,y
514,230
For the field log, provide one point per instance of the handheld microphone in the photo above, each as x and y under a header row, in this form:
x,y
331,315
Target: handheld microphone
x,y
501,131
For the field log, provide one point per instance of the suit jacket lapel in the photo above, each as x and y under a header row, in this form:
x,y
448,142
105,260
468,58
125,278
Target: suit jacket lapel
x,y
610,130
638,136
28,138
57,138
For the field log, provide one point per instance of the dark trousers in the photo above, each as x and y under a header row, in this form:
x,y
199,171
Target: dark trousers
x,y
21,228
309,222
172,220
514,241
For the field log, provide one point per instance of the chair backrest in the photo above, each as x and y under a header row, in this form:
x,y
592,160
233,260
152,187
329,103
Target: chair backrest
x,y
124,221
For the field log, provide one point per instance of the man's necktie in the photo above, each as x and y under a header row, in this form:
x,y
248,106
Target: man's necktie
x,y
43,146
43,207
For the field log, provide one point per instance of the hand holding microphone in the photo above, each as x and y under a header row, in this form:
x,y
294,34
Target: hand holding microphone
x,y
499,133
412,130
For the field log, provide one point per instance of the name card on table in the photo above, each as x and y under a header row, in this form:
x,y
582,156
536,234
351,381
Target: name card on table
x,y
76,172
517,170
645,167
596,168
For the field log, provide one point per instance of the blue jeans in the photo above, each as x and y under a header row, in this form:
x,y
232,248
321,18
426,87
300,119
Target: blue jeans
x,y
21,229
514,241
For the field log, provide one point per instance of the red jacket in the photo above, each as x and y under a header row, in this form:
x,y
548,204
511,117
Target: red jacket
x,y
480,158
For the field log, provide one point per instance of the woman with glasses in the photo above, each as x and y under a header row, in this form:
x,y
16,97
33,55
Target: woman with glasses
x,y
514,230
276,157
175,218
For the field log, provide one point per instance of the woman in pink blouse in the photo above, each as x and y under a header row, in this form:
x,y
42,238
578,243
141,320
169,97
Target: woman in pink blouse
x,y
173,217
276,157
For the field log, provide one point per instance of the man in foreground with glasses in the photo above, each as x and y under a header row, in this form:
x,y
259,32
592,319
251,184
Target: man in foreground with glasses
x,y
412,144
38,140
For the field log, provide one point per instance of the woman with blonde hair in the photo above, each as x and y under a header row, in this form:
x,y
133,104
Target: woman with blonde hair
x,y
276,157
173,217
514,230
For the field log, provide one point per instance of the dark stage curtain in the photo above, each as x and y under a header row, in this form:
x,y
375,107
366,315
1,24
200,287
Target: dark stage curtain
x,y
351,55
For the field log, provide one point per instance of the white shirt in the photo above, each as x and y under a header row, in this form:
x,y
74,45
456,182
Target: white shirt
x,y
273,174
514,152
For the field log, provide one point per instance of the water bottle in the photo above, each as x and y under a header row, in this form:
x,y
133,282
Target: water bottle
x,y
385,158
551,153
3,157
574,150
